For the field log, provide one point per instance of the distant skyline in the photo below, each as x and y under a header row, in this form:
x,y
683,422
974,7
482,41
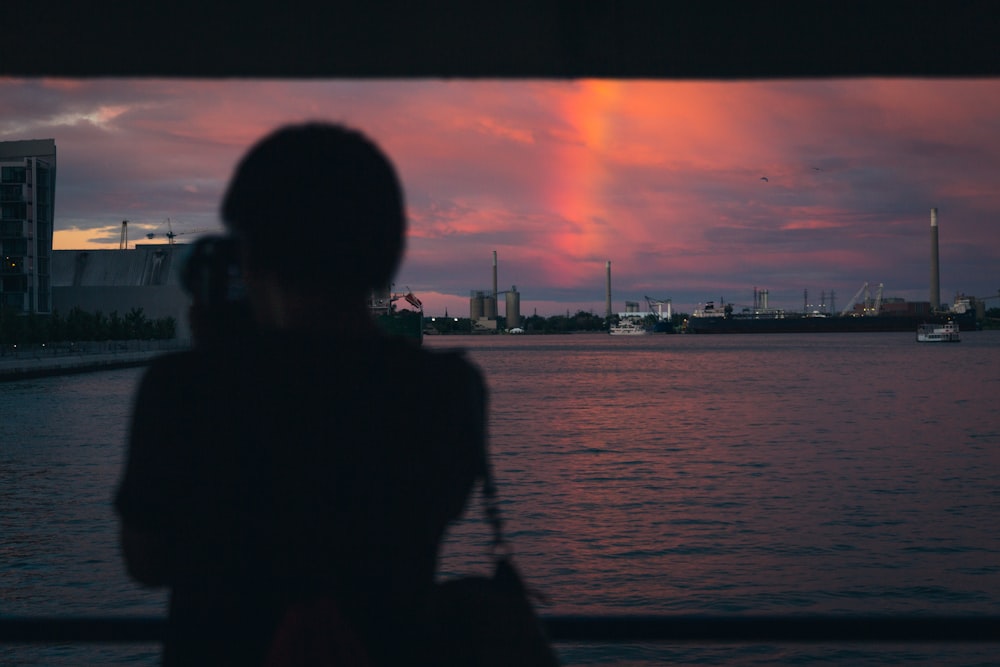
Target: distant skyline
x,y
695,191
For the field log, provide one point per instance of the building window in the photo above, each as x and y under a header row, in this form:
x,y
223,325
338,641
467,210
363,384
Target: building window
x,y
43,231
11,228
11,264
13,175
11,284
14,211
11,193
15,247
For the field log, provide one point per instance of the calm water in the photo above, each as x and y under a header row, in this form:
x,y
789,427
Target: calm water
x,y
840,473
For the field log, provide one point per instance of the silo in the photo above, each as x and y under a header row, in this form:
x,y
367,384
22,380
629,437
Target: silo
x,y
489,306
476,306
513,308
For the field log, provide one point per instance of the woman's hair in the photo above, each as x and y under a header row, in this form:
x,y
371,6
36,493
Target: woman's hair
x,y
319,206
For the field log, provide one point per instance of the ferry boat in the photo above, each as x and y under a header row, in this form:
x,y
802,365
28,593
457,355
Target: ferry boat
x,y
628,327
938,333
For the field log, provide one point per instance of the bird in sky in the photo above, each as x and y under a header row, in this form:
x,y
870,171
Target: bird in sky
x,y
764,178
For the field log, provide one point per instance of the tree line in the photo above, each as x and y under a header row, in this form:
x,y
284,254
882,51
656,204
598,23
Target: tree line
x,y
581,321
80,325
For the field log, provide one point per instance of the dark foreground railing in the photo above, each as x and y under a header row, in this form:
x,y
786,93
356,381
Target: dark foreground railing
x,y
776,629
604,629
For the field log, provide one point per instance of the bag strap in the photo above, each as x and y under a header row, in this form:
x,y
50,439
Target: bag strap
x,y
491,507
500,549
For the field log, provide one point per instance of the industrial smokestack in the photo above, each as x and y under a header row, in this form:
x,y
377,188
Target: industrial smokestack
x,y
935,274
495,307
608,292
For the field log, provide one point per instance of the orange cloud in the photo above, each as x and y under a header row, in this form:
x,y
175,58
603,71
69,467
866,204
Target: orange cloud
x,y
82,239
810,224
577,175
662,178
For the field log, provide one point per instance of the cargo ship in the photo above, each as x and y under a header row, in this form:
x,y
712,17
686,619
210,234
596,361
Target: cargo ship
x,y
867,314
710,318
799,323
404,323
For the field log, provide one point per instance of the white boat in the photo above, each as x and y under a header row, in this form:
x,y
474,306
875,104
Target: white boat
x,y
938,333
628,327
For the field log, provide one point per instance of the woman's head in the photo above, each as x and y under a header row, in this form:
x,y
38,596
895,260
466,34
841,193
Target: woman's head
x,y
319,207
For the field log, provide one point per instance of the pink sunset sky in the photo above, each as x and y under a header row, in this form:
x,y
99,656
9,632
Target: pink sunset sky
x,y
664,179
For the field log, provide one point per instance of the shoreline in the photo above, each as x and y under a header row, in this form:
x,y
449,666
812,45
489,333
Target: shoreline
x,y
40,361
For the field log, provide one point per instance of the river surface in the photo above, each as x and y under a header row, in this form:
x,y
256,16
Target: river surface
x,y
765,474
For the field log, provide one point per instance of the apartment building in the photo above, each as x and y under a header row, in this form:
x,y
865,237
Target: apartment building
x,y
27,205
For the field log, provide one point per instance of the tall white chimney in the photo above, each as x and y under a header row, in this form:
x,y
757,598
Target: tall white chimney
x,y
607,313
935,269
495,309
495,295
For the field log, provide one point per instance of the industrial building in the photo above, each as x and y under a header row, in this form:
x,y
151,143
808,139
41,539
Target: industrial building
x,y
146,277
483,305
27,206
34,278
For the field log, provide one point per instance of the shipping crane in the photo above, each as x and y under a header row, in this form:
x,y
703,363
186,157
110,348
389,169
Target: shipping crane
x,y
985,298
877,308
171,234
657,306
870,308
854,299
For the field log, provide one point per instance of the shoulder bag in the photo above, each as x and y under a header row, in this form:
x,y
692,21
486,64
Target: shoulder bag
x,y
490,621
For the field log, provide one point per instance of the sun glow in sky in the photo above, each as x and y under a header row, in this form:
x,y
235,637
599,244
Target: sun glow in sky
x,y
664,179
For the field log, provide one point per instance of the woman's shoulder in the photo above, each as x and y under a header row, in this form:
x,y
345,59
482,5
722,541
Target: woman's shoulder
x,y
195,368
445,367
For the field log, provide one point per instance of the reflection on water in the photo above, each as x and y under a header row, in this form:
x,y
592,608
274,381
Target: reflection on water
x,y
763,474
853,473
61,447
61,456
